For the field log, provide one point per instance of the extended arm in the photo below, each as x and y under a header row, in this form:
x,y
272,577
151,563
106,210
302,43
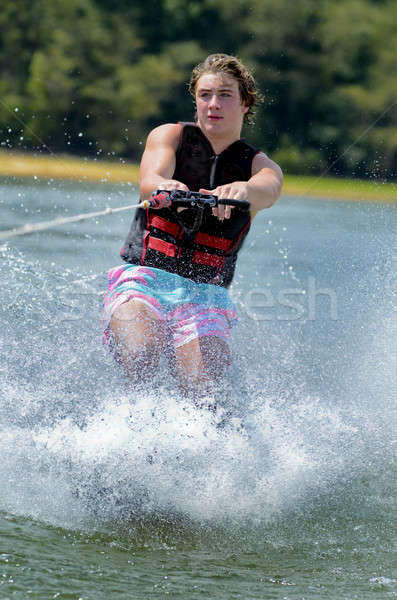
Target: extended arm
x,y
158,161
261,190
264,187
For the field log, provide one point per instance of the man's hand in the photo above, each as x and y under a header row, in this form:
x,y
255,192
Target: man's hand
x,y
238,190
172,184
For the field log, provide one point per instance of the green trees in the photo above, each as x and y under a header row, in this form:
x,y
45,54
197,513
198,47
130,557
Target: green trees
x,y
93,76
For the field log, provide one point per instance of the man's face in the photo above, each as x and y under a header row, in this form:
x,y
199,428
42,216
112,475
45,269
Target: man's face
x,y
219,106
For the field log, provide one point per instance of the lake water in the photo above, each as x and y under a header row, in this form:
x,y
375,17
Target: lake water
x,y
105,494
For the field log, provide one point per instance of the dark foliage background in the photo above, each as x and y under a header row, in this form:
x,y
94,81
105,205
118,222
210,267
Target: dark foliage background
x,y
92,77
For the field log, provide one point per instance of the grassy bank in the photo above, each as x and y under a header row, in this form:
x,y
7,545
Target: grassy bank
x,y
67,167
339,188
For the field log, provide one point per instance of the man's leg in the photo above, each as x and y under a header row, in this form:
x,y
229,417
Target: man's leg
x,y
140,338
200,364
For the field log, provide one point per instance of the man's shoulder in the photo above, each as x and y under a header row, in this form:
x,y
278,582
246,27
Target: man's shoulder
x,y
166,133
262,161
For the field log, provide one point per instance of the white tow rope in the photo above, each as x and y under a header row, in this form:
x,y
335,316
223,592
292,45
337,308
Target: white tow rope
x,y
33,227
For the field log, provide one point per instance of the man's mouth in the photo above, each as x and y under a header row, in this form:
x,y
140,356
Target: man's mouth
x,y
214,118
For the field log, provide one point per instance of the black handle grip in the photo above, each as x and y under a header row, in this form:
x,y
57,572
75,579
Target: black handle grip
x,y
188,198
241,204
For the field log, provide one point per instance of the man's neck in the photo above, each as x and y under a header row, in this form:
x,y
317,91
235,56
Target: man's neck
x,y
221,142
219,145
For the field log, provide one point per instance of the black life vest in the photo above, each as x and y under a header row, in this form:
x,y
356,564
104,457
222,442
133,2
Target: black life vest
x,y
193,243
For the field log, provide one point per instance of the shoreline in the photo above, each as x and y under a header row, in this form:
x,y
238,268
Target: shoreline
x,y
72,168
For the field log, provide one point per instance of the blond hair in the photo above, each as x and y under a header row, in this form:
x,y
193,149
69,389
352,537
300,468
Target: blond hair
x,y
230,65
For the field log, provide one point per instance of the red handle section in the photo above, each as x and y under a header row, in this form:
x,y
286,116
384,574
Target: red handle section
x,y
161,199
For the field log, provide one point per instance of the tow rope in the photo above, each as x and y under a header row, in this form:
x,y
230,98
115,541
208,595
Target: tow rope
x,y
159,199
43,225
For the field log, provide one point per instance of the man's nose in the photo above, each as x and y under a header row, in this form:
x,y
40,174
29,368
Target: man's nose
x,y
214,101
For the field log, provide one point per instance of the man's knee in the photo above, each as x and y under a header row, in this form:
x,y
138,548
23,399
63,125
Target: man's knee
x,y
136,322
138,336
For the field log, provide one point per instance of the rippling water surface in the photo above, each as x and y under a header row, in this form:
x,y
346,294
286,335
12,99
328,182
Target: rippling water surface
x,y
107,494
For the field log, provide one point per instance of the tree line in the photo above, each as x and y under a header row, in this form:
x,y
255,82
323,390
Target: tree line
x,y
92,77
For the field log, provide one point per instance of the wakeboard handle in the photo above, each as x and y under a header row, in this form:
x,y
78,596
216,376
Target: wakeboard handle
x,y
165,198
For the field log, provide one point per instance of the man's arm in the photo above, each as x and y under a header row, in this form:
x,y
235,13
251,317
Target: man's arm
x,y
261,190
158,161
264,187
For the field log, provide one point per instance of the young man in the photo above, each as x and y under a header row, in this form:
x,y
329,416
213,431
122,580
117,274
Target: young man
x,y
173,292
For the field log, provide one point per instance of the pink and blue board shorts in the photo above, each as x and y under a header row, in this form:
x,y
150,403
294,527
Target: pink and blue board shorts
x,y
190,310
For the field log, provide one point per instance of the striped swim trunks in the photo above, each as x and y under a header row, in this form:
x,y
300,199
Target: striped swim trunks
x,y
190,310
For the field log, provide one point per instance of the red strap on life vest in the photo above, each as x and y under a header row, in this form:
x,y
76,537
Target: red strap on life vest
x,y
248,225
163,224
213,241
211,260
172,250
161,246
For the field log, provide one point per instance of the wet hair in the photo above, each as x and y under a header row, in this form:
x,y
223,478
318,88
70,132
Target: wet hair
x,y
230,65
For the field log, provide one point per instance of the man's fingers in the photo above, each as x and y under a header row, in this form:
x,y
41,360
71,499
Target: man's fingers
x,y
224,192
172,184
